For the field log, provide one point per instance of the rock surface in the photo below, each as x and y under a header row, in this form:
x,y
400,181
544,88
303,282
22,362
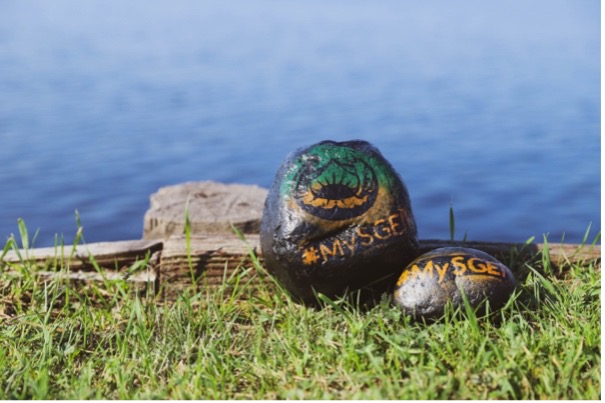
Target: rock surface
x,y
337,218
213,207
429,282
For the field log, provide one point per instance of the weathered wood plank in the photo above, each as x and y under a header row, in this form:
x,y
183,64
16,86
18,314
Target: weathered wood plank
x,y
113,256
212,256
94,262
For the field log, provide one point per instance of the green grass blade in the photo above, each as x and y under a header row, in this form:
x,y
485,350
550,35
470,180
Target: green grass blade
x,y
597,238
585,238
23,233
7,246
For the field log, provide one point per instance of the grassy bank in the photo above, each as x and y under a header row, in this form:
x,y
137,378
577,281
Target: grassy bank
x,y
67,340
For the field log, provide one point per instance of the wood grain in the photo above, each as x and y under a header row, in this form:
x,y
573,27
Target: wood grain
x,y
212,207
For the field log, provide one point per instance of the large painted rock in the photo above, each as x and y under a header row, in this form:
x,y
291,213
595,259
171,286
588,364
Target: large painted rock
x,y
337,218
430,281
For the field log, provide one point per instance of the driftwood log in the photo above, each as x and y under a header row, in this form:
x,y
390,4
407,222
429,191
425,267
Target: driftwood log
x,y
212,207
169,262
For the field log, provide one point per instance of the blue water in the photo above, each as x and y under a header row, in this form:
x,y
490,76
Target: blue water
x,y
490,106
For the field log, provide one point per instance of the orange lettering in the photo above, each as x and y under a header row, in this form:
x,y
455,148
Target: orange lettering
x,y
368,238
350,244
415,270
403,278
495,270
395,221
412,271
480,268
336,247
386,229
461,267
441,270
428,269
310,256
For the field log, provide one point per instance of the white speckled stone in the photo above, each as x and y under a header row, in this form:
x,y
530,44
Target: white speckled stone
x,y
430,281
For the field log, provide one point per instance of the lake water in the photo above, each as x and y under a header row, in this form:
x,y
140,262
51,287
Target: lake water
x,y
490,106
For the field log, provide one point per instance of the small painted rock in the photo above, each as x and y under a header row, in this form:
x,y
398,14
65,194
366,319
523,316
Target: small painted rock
x,y
441,275
337,218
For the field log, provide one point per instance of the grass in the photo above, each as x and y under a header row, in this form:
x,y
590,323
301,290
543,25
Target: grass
x,y
65,340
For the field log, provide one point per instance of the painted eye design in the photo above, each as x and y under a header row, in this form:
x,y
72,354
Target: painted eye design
x,y
336,190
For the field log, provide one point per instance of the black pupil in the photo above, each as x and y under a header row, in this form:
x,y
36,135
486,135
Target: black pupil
x,y
335,191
